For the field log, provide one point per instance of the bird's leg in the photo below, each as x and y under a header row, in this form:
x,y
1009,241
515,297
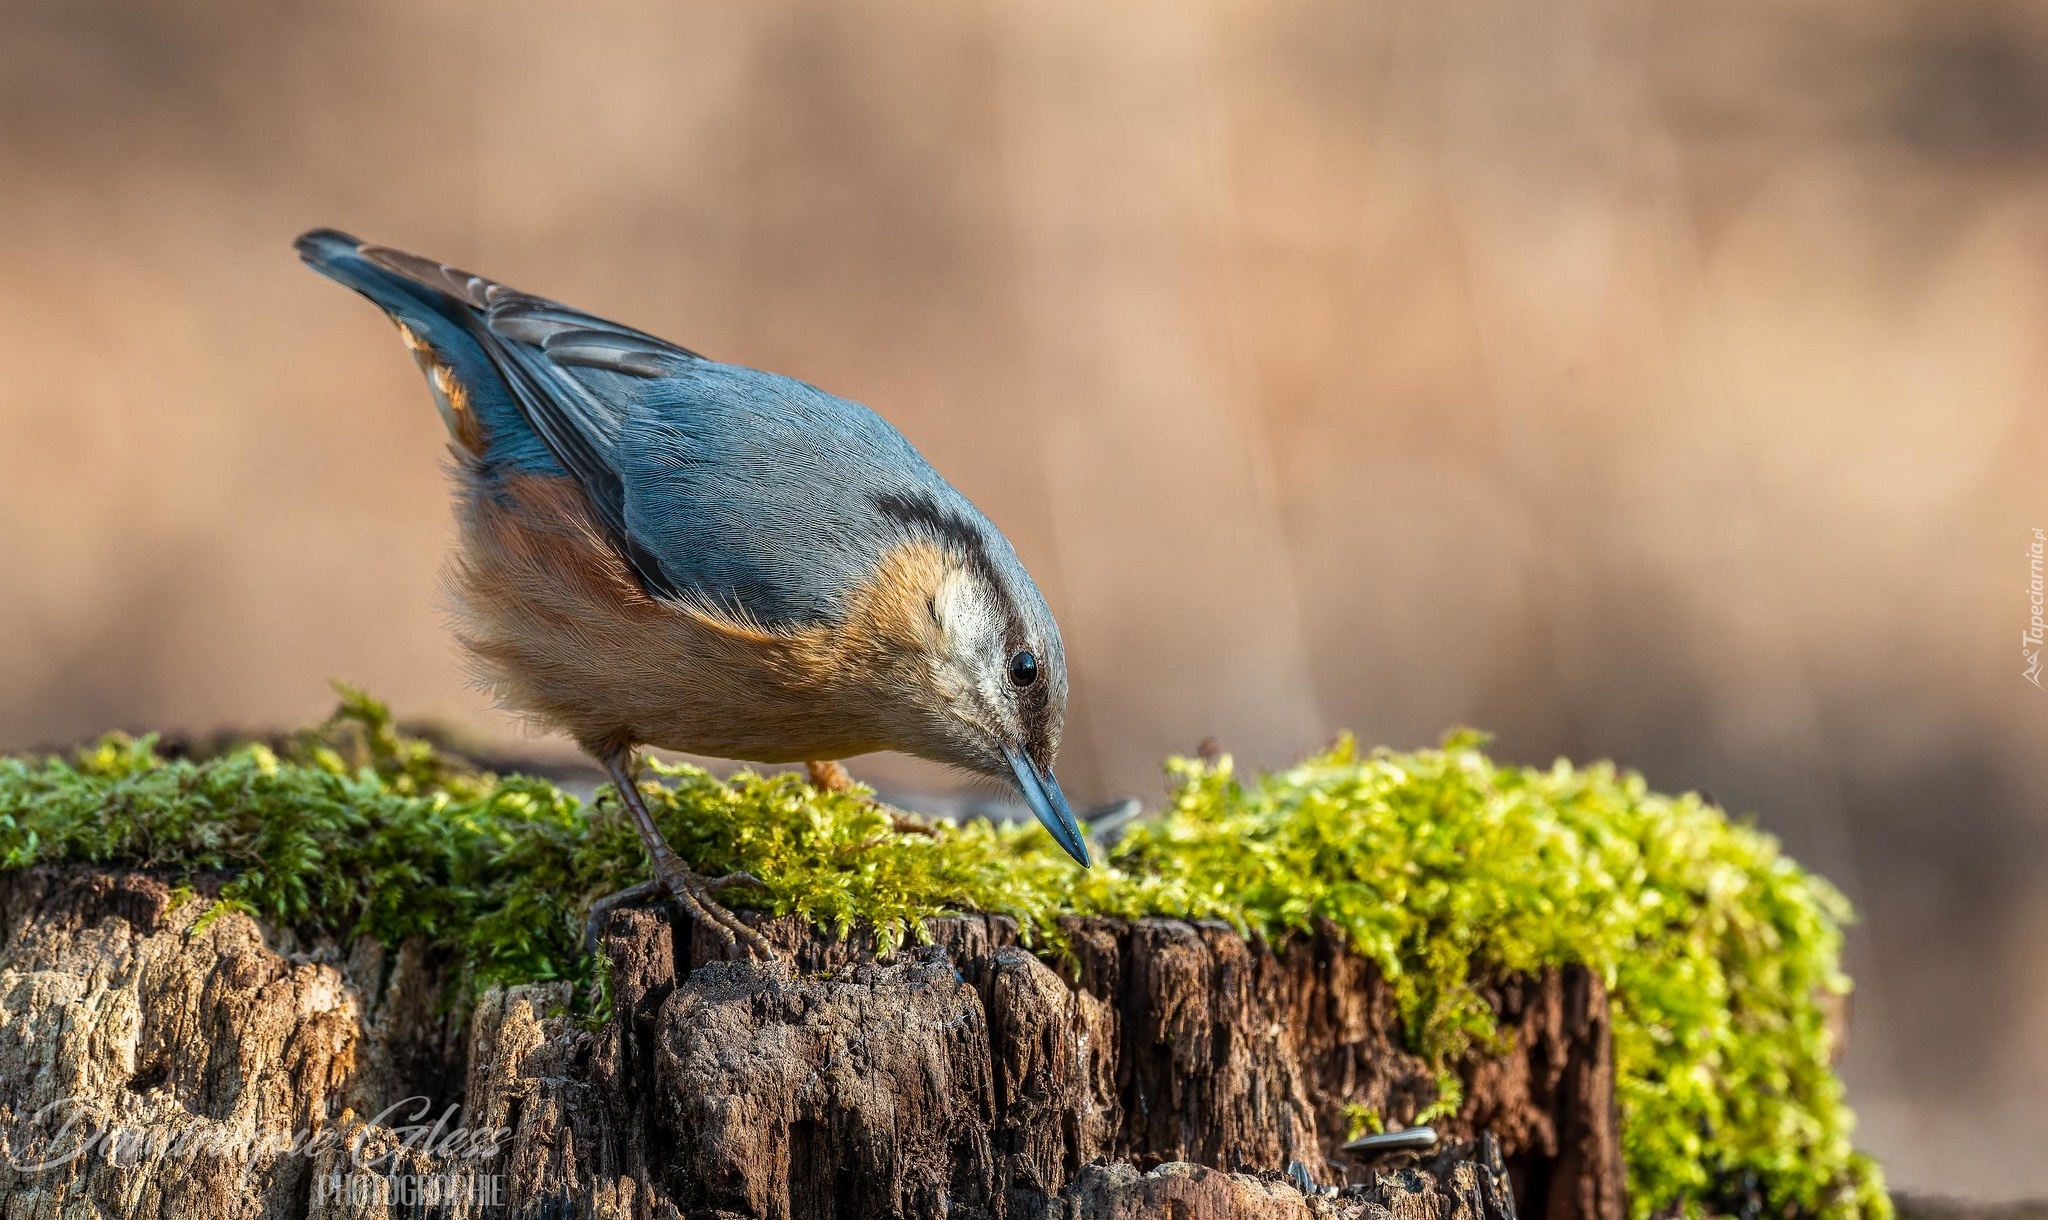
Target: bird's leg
x,y
692,891
829,776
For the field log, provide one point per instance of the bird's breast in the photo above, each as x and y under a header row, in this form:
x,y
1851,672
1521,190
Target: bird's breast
x,y
564,633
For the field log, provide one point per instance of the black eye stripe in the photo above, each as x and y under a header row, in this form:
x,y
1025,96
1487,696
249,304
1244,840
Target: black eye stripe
x,y
917,513
1023,668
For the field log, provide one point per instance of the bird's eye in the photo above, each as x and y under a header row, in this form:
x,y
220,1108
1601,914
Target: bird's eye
x,y
1024,668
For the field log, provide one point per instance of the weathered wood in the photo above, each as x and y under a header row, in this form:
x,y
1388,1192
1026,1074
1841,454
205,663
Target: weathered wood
x,y
1445,1189
967,1078
1913,1206
1231,1054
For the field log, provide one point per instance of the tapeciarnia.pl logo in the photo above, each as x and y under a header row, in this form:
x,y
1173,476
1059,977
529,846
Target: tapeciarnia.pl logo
x,y
2030,639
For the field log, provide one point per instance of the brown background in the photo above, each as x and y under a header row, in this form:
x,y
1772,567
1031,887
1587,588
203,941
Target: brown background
x,y
1654,381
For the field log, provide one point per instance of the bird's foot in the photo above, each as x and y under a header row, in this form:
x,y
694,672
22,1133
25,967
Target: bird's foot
x,y
905,824
601,910
828,776
697,902
692,891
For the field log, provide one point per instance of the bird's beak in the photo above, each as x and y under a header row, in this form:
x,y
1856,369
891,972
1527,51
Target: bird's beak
x,y
1042,792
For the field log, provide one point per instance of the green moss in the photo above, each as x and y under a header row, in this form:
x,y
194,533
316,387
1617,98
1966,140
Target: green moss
x,y
1721,955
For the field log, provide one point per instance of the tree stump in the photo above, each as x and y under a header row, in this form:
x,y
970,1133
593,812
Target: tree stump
x,y
156,1061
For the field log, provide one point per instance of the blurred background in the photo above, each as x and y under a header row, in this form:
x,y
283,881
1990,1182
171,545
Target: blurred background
x,y
1640,380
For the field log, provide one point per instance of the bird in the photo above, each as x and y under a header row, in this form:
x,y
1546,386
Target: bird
x,y
656,549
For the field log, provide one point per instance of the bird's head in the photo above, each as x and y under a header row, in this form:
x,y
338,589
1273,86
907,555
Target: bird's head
x,y
989,683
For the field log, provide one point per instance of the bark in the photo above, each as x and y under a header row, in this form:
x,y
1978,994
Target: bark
x,y
1940,1207
1448,1188
1164,1069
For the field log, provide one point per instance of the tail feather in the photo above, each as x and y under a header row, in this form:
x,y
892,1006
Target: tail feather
x,y
435,321
409,288
503,398
341,258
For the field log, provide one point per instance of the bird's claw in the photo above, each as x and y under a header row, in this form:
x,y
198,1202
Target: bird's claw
x,y
695,895
905,824
717,885
691,892
600,910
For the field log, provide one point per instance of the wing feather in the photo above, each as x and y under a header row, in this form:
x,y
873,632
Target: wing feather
x,y
744,493
579,424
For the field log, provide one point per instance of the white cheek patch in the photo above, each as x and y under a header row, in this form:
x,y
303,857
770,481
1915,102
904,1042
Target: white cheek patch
x,y
972,627
963,618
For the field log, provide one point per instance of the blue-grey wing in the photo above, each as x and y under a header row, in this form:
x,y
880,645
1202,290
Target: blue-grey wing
x,y
763,495
568,376
719,485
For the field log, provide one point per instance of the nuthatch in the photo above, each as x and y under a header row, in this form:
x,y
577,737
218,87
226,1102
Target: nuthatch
x,y
659,549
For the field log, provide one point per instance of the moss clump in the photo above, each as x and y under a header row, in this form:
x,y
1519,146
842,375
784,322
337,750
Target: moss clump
x,y
1720,954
